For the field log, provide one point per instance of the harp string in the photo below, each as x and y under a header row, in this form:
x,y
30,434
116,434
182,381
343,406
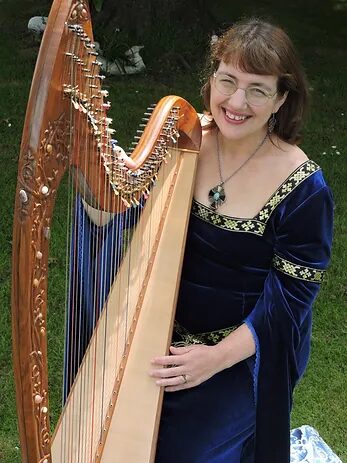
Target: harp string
x,y
82,140
71,222
75,78
83,332
100,282
78,153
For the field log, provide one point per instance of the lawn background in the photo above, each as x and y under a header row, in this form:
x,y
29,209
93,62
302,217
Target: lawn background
x,y
318,28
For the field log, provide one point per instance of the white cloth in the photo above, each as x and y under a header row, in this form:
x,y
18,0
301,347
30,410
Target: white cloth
x,y
307,446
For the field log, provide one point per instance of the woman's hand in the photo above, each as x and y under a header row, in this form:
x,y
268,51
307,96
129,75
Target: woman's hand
x,y
186,367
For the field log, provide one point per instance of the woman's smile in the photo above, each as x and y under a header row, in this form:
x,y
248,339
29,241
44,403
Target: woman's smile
x,y
234,117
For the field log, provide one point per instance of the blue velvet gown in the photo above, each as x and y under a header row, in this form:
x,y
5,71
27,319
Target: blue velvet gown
x,y
265,272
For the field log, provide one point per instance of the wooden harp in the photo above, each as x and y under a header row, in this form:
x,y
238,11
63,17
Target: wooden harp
x,y
66,128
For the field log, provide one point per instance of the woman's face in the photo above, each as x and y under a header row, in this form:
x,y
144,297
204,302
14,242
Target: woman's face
x,y
234,115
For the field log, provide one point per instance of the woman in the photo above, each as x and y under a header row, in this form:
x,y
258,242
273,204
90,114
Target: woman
x,y
258,244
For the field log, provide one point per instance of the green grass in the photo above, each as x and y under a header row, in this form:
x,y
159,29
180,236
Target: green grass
x,y
318,29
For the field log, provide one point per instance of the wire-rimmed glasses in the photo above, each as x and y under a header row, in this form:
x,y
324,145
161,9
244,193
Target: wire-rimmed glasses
x,y
255,96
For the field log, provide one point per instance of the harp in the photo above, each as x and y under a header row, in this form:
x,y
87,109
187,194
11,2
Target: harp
x,y
112,408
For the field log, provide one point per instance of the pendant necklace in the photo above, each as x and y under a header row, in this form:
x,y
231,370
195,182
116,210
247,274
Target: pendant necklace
x,y
216,195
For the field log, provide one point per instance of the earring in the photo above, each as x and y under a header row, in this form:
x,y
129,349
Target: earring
x,y
271,123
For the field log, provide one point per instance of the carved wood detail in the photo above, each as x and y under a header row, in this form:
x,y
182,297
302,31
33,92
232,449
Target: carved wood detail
x,y
38,179
79,11
42,170
51,164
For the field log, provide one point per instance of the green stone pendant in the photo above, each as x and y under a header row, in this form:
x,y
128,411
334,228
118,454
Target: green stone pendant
x,y
216,196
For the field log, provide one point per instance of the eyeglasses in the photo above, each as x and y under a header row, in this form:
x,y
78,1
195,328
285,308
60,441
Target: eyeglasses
x,y
226,85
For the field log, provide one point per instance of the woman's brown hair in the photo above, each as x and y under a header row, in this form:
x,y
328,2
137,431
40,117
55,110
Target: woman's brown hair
x,y
258,47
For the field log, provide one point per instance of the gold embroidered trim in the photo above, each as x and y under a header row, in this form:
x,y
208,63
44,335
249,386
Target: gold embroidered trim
x,y
228,223
208,338
297,177
298,271
257,224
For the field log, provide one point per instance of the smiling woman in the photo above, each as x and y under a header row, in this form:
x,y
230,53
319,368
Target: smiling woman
x,y
252,266
263,50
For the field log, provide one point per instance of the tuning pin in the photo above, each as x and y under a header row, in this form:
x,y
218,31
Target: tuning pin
x,y
135,202
125,202
75,104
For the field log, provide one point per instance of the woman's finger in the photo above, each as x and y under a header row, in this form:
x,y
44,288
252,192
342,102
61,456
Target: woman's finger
x,y
177,388
176,358
167,360
166,372
176,381
182,350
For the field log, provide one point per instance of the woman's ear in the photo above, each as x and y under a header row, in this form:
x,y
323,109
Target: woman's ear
x,y
280,101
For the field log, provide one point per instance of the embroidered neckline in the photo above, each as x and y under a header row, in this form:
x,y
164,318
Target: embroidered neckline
x,y
257,224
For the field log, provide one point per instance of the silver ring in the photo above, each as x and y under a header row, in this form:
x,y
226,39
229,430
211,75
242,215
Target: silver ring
x,y
185,381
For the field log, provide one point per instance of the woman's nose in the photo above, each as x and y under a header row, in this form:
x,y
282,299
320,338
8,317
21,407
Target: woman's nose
x,y
238,99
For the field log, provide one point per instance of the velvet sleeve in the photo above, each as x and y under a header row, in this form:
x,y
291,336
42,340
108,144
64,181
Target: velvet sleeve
x,y
281,319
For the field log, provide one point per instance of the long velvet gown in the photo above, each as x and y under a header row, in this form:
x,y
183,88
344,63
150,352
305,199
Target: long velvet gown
x,y
264,272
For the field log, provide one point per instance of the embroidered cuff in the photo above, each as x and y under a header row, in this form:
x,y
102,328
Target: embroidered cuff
x,y
298,271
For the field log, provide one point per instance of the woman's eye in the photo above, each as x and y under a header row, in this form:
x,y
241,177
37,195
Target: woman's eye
x,y
228,82
257,91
